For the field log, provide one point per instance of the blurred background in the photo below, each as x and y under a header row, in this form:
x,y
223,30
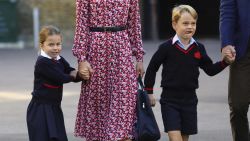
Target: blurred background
x,y
19,17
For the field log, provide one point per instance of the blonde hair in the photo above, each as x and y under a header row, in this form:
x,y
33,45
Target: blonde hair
x,y
48,31
178,10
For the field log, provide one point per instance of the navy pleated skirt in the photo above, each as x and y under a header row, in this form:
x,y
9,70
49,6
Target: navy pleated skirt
x,y
45,121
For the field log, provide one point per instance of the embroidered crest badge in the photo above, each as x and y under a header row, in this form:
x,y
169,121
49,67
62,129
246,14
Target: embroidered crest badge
x,y
197,55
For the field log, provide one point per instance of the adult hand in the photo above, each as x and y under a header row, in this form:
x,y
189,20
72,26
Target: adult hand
x,y
229,54
85,70
139,69
152,99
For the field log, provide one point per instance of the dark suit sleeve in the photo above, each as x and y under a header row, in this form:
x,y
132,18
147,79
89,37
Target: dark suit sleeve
x,y
52,72
207,64
228,15
155,62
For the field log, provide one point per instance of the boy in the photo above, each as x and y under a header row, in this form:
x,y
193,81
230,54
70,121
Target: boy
x,y
181,57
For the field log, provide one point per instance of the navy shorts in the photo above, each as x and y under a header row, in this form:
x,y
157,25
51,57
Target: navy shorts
x,y
179,111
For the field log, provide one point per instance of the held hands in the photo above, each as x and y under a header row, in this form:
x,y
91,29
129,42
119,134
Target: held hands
x,y
228,54
85,70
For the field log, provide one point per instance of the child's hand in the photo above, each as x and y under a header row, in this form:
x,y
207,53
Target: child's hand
x,y
73,73
84,74
228,54
152,99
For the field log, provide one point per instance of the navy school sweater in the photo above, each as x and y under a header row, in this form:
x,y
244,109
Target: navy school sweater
x,y
180,67
50,75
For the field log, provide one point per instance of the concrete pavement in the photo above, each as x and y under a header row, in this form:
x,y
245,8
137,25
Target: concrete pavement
x,y
17,81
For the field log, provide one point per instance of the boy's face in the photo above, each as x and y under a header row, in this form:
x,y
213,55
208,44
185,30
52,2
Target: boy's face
x,y
185,27
52,46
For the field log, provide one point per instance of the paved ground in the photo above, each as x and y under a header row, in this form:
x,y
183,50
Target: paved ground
x,y
16,75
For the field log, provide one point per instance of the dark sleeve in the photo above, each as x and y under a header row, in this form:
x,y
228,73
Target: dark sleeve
x,y
155,62
207,64
78,78
228,16
52,72
67,67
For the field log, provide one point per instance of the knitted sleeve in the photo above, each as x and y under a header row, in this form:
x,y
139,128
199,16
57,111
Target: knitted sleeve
x,y
207,64
155,62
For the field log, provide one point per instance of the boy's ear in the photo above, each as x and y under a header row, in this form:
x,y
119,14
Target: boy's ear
x,y
173,25
40,45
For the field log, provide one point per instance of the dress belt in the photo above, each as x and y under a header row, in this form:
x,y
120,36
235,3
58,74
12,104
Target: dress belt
x,y
107,29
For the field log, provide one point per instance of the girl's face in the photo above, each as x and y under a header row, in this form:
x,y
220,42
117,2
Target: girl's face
x,y
52,46
185,27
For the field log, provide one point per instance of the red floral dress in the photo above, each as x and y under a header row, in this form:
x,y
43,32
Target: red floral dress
x,y
106,109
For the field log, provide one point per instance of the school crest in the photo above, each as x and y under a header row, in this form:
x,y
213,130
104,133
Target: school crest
x,y
197,55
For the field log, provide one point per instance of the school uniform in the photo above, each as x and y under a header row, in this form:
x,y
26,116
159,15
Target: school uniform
x,y
179,81
44,114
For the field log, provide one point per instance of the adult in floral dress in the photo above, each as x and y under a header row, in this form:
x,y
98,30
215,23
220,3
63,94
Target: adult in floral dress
x,y
107,36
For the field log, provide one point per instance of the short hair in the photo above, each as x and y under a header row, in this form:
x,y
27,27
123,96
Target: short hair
x,y
47,31
178,10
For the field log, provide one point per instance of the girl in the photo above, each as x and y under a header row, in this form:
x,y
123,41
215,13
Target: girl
x,y
181,57
44,115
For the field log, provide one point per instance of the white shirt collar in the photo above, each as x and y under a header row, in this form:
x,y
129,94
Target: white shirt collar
x,y
47,56
177,39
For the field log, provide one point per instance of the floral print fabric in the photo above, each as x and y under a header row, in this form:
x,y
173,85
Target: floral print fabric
x,y
106,109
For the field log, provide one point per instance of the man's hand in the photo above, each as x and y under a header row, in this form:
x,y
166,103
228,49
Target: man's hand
x,y
228,54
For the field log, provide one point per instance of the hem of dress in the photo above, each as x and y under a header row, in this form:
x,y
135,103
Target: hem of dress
x,y
83,136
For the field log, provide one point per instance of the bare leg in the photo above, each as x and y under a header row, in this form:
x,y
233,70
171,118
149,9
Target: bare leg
x,y
175,135
185,137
